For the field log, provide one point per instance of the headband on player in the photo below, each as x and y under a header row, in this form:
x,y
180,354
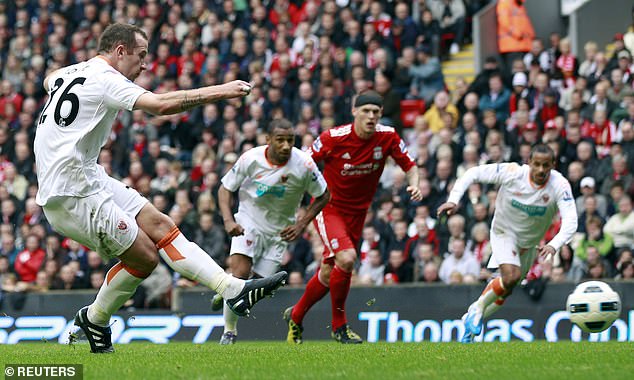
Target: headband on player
x,y
369,97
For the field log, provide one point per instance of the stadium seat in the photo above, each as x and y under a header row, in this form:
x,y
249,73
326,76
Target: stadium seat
x,y
410,109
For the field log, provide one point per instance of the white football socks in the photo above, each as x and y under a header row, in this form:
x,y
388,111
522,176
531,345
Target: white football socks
x,y
494,289
191,261
120,284
231,319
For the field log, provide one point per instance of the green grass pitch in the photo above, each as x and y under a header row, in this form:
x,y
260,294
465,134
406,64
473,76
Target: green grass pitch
x,y
329,360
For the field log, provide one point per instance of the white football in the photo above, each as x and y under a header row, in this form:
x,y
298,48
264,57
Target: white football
x,y
593,306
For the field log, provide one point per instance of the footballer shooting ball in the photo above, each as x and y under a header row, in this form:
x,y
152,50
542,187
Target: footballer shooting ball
x,y
593,306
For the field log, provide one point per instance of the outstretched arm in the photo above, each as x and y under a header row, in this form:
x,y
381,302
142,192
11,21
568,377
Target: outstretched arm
x,y
491,173
179,101
291,233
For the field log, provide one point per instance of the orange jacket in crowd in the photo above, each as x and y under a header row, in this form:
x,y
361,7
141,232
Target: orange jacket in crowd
x,y
515,31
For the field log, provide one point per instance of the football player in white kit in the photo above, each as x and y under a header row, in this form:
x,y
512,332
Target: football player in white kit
x,y
528,198
271,181
82,202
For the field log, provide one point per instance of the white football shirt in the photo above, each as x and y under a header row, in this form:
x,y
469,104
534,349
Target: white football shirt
x,y
84,100
524,210
270,194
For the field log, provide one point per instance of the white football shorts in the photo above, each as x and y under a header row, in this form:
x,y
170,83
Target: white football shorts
x,y
265,251
505,251
104,222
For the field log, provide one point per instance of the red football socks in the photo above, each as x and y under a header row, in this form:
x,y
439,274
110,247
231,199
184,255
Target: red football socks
x,y
339,289
315,291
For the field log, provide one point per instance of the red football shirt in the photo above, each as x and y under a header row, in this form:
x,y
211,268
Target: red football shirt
x,y
353,166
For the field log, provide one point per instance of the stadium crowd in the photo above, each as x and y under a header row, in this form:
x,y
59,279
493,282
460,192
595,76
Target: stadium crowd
x,y
306,61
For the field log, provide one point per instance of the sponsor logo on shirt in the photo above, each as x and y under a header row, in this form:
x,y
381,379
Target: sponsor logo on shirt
x,y
263,189
346,156
529,210
361,169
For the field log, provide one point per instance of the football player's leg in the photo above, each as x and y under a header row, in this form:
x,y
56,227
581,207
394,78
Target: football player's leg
x,y
340,286
100,224
136,264
345,258
506,256
184,256
240,266
113,233
318,286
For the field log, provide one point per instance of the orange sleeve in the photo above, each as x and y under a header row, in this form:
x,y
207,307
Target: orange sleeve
x,y
504,17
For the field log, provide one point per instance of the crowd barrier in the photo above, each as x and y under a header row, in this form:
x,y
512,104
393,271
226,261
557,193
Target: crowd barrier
x,y
407,313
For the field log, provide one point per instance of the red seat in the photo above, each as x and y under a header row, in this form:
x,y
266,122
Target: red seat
x,y
410,109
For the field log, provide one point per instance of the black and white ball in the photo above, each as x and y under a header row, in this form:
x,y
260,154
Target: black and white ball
x,y
593,306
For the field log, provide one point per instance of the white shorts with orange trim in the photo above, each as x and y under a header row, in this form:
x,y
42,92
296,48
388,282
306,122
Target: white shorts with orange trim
x,y
265,251
506,251
104,222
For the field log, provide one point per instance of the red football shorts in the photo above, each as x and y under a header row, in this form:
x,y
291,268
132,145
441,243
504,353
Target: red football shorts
x,y
338,231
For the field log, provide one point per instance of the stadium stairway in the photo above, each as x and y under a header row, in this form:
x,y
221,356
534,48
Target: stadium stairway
x,y
459,65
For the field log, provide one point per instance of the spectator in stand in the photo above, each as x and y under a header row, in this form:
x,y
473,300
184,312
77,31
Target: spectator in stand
x,y
589,211
479,244
425,255
617,92
515,30
67,279
424,236
580,92
586,155
457,261
429,32
621,225
626,273
398,270
30,260
426,74
399,238
403,18
480,84
595,237
538,54
619,47
566,65
600,101
391,101
497,98
589,65
430,273
619,172
211,238
372,270
451,17
436,113
8,248
520,91
601,131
